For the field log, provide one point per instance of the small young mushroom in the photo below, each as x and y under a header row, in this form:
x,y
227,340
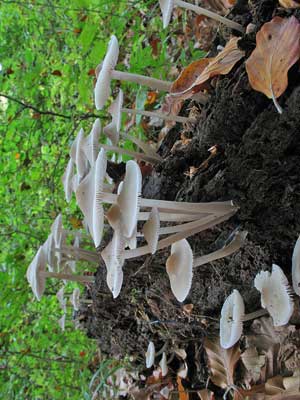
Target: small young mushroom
x,y
75,299
179,267
275,294
166,7
151,230
231,322
61,299
150,355
163,364
106,73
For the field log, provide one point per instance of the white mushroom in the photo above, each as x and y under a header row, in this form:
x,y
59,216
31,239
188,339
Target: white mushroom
x,y
151,230
296,267
180,269
163,364
150,355
275,294
231,322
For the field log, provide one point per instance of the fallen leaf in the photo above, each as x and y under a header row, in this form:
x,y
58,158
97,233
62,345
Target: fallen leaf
x,y
188,76
222,64
277,49
221,362
183,395
253,363
151,98
205,394
289,3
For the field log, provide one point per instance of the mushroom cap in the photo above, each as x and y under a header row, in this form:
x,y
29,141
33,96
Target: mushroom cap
x,y
67,180
88,196
102,88
62,322
296,267
180,269
275,294
113,257
231,321
75,299
48,248
129,198
34,273
163,364
166,7
112,130
150,355
91,145
62,301
81,159
151,230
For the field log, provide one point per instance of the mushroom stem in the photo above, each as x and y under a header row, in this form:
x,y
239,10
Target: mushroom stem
x,y
210,14
138,156
194,227
171,217
225,251
153,83
166,117
78,253
217,208
255,314
68,277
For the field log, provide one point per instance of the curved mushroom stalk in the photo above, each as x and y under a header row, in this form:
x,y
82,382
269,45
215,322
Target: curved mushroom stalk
x,y
139,156
166,117
75,254
167,8
68,277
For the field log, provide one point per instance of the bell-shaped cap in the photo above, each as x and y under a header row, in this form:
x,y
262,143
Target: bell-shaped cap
x,y
166,7
231,322
75,299
163,364
113,257
275,294
67,180
88,196
112,130
180,269
102,88
129,198
296,267
91,143
150,355
35,275
151,230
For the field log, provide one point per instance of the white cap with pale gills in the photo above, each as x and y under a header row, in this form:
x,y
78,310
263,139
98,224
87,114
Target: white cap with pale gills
x,y
67,180
180,269
34,273
275,294
91,142
112,130
151,230
102,88
150,355
231,322
129,198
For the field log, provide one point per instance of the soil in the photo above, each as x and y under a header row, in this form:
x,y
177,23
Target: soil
x,y
257,166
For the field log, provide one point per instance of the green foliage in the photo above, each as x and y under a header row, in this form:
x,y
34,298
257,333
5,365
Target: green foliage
x,y
48,50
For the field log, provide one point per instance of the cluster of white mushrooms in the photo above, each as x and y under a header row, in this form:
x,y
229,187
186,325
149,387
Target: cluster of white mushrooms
x,y
127,208
276,299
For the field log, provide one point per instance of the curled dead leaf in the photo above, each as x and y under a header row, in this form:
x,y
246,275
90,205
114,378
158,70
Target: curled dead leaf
x,y
221,362
205,394
277,49
222,64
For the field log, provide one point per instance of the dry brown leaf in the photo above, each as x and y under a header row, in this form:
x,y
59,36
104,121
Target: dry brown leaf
x,y
289,3
253,363
205,394
222,64
188,76
277,49
221,362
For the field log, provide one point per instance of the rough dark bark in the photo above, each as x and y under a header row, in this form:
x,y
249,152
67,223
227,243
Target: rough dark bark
x,y
257,166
